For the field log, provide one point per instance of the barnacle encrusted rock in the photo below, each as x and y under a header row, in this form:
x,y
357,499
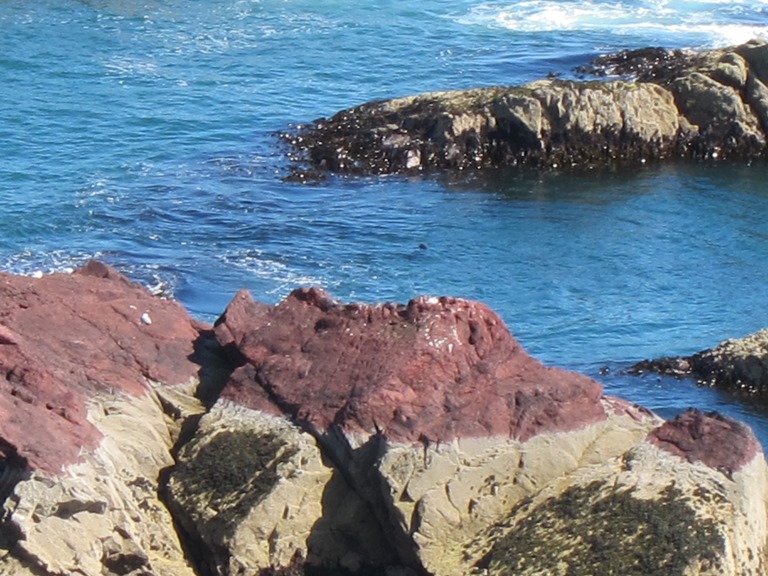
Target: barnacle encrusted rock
x,y
737,364
711,104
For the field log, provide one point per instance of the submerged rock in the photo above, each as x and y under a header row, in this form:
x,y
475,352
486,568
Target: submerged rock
x,y
316,437
711,104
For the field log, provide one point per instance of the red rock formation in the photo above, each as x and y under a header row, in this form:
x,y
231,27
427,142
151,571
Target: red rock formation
x,y
66,337
430,371
710,438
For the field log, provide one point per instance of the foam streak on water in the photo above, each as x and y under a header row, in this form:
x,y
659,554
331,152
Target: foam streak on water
x,y
140,132
695,24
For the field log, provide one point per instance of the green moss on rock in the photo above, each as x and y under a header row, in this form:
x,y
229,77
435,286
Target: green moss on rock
x,y
595,529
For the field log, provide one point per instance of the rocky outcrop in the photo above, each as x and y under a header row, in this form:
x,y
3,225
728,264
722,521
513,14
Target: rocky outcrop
x,y
711,104
737,364
435,417
461,449
431,371
83,432
659,509
320,437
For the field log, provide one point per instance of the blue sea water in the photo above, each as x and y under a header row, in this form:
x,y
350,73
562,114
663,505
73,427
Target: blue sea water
x,y
142,133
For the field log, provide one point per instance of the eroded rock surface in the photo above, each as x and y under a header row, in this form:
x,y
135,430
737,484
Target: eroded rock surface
x,y
655,510
83,434
316,437
711,104
256,491
430,371
432,412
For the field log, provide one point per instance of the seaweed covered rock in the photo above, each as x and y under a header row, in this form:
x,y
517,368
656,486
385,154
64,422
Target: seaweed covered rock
x,y
710,104
257,497
83,359
737,364
659,509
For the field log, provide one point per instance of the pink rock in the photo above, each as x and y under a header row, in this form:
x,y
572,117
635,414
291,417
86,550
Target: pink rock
x,y
65,338
710,438
430,371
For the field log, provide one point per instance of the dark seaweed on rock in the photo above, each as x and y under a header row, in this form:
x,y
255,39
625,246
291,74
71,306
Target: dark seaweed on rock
x,y
13,467
595,529
644,64
237,469
739,365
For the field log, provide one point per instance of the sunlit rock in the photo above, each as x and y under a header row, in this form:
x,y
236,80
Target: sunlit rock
x,y
83,434
737,364
668,104
657,509
432,411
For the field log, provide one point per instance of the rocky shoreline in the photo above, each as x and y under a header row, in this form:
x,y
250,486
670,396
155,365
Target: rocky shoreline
x,y
318,437
665,105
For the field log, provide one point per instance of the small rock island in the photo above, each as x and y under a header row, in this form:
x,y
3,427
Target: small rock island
x,y
655,105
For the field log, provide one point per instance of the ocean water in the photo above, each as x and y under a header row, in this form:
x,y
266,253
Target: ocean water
x,y
142,133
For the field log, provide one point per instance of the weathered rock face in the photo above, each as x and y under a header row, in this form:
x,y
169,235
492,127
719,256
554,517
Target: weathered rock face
x,y
707,105
66,337
659,509
432,371
737,364
435,417
83,433
406,440
258,494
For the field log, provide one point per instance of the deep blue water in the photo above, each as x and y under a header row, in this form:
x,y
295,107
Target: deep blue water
x,y
141,133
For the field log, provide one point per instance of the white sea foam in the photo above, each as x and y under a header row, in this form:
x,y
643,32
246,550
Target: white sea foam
x,y
38,263
701,23
280,276
129,66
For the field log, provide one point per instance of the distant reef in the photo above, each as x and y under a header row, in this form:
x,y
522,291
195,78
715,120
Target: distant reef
x,y
642,105
321,438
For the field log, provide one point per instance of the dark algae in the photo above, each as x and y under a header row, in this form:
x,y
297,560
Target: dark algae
x,y
237,469
598,530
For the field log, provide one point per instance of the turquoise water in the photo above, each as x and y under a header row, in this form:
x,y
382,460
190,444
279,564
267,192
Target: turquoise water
x,y
142,133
